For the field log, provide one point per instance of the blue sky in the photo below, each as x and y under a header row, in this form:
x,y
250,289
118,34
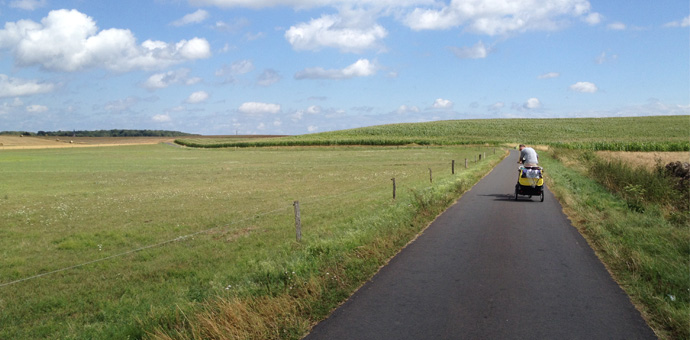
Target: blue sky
x,y
302,66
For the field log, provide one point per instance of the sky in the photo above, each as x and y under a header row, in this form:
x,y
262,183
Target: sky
x,y
289,67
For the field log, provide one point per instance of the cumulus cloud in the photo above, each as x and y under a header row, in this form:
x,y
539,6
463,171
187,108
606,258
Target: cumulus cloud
x,y
256,108
584,87
532,103
497,18
163,80
68,40
361,68
685,22
15,87
192,18
197,97
549,75
478,51
333,31
441,103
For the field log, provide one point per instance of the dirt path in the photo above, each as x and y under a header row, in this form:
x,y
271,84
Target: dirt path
x,y
16,142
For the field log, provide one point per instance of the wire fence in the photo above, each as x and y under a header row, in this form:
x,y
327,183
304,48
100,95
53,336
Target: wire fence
x,y
309,200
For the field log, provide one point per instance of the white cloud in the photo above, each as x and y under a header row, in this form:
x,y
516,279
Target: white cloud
x,y
361,68
616,26
121,105
36,108
256,108
603,58
584,87
478,51
532,103
192,18
549,75
441,103
268,77
333,31
685,22
312,128
593,18
28,5
498,17
14,87
314,109
197,97
403,109
303,4
67,40
497,106
163,80
240,67
161,118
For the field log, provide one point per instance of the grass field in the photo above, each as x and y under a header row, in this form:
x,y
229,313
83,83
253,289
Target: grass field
x,y
128,237
166,242
620,134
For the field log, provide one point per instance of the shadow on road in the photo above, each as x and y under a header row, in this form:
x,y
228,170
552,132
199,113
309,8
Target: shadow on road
x,y
511,197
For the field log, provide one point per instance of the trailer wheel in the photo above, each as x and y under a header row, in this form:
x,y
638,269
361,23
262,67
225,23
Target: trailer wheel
x,y
542,195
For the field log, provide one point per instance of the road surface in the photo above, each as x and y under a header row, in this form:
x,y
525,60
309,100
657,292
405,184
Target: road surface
x,y
491,267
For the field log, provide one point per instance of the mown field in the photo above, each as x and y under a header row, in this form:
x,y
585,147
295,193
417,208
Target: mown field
x,y
121,241
661,133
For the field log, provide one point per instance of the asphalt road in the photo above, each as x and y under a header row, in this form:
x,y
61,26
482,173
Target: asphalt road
x,y
491,267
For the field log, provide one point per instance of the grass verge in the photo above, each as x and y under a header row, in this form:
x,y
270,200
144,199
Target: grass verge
x,y
637,227
293,294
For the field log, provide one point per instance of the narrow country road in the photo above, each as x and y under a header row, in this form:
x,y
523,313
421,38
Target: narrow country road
x,y
491,267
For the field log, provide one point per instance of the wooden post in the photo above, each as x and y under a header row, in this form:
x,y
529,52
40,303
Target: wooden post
x,y
431,180
298,222
452,167
465,163
393,179
484,155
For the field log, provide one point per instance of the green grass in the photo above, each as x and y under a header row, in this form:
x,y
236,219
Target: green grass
x,y
642,235
659,133
165,232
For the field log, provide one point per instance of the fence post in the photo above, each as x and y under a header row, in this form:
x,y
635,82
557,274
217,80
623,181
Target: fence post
x,y
431,180
452,168
393,179
298,222
465,163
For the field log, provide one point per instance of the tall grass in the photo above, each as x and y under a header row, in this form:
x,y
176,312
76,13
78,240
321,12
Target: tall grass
x,y
660,133
638,226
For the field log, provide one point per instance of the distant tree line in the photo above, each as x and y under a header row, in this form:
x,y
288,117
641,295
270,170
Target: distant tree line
x,y
101,133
